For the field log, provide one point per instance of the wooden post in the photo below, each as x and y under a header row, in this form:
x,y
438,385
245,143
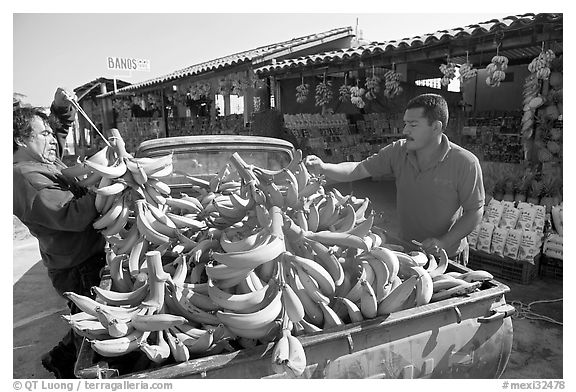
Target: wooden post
x,y
277,100
82,136
75,129
213,106
105,123
164,117
273,93
248,105
226,105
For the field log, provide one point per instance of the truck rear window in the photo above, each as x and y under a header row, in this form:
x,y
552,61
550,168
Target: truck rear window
x,y
204,164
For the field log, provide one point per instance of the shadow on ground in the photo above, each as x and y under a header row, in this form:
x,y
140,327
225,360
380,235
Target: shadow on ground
x,y
37,323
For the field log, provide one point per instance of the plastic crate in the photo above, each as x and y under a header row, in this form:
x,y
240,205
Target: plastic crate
x,y
504,267
551,267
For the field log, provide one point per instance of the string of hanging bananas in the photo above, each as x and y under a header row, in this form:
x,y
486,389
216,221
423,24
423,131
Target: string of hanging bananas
x,y
256,256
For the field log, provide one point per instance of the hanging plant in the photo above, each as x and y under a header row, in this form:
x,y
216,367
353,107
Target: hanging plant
x,y
121,104
467,71
302,92
152,101
178,97
205,89
496,69
541,64
449,72
237,88
392,86
323,92
372,85
344,90
260,84
225,86
356,93
256,101
195,92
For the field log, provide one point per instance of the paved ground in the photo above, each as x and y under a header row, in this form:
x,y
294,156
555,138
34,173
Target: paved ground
x,y
537,351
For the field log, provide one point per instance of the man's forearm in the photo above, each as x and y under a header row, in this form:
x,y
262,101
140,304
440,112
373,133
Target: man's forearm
x,y
345,171
463,226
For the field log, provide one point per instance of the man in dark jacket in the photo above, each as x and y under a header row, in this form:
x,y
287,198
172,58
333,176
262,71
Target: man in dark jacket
x,y
56,210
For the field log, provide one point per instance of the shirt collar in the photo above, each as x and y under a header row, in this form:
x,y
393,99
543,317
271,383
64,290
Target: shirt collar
x,y
441,154
445,147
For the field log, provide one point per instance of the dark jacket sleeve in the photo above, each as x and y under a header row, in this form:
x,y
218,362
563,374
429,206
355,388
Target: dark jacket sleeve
x,y
58,209
61,120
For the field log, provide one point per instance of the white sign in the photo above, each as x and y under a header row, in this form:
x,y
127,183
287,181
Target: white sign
x,y
127,64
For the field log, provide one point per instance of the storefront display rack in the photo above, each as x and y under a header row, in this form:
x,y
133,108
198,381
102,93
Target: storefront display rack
x,y
224,125
137,130
494,136
380,124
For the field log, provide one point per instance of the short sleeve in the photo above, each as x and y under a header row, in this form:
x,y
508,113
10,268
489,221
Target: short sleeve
x,y
382,163
471,186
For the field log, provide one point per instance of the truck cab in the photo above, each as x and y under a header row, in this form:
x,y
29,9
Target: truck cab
x,y
203,156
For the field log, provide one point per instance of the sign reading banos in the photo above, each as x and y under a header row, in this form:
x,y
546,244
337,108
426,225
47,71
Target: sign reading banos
x,y
127,64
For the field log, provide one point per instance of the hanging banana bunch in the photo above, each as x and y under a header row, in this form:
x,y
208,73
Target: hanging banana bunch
x,y
372,85
323,92
302,92
344,90
496,69
467,71
541,64
392,83
449,72
356,95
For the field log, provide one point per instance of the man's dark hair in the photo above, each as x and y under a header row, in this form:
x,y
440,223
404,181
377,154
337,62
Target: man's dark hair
x,y
21,118
434,105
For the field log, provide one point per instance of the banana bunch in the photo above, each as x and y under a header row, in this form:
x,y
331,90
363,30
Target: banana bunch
x,y
344,94
302,92
323,93
221,204
288,355
495,70
540,66
154,318
467,71
392,84
356,94
453,283
448,71
125,185
372,86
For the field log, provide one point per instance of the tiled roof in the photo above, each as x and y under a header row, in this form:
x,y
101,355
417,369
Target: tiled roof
x,y
374,48
243,57
87,88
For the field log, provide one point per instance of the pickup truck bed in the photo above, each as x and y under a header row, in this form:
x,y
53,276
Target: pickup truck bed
x,y
460,337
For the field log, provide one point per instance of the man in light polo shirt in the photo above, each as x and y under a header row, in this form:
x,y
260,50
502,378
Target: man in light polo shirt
x,y
440,193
